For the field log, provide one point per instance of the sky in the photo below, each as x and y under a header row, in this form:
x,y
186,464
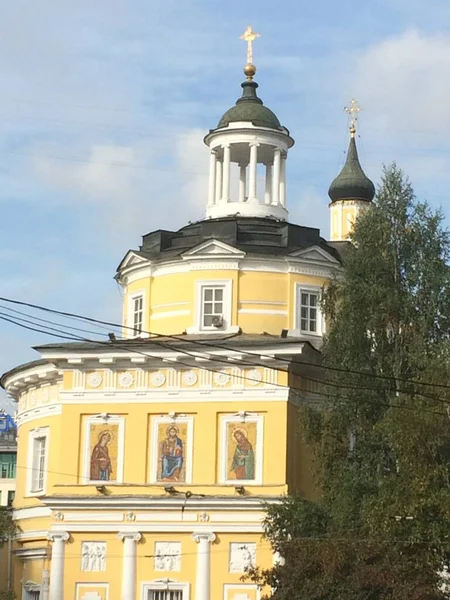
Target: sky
x,y
104,105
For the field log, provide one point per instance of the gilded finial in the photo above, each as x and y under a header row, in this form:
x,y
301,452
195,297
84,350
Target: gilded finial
x,y
249,36
353,110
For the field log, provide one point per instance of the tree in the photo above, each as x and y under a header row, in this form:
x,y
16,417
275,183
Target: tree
x,y
381,529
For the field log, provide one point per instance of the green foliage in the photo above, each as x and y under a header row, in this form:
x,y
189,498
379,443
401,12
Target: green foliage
x,y
381,529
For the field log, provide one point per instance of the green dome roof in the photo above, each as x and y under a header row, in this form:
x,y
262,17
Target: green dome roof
x,y
352,183
250,108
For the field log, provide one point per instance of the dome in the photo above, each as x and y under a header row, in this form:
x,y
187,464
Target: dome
x,y
250,108
352,183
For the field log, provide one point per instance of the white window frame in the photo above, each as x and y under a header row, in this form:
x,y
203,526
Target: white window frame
x,y
156,421
259,454
240,587
130,332
200,285
308,289
33,436
165,585
87,450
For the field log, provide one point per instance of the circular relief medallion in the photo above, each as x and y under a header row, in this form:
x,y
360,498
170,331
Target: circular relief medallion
x,y
254,377
94,379
222,378
190,378
126,379
157,378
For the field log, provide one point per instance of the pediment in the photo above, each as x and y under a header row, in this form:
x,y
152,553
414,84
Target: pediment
x,y
131,259
213,248
314,254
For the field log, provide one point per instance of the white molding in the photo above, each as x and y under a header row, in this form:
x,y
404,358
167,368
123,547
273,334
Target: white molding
x,y
32,534
38,432
262,311
166,420
258,453
51,410
162,528
35,512
88,584
212,248
239,586
120,421
113,517
32,553
170,314
163,517
263,302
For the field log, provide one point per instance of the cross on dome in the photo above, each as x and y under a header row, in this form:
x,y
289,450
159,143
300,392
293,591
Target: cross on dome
x,y
249,36
353,111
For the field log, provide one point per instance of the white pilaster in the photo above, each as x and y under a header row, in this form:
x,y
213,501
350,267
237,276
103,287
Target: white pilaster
x,y
268,192
218,180
283,181
57,564
242,182
226,174
212,178
252,173
276,177
203,577
130,539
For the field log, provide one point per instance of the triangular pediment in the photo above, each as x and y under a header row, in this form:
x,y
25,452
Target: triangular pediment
x,y
131,259
314,254
213,248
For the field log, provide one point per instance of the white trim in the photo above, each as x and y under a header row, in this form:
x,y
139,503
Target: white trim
x,y
262,311
164,584
223,455
270,393
311,289
88,584
33,435
163,528
239,586
32,553
33,534
155,422
212,248
51,410
263,302
170,314
87,452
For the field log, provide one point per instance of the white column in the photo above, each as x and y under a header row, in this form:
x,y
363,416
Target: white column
x,y
212,178
268,193
45,585
283,182
242,182
252,173
203,577
57,565
276,177
130,539
226,174
218,180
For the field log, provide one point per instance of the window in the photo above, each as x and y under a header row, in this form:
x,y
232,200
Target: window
x,y
212,307
11,496
165,595
8,465
138,314
37,478
37,460
308,313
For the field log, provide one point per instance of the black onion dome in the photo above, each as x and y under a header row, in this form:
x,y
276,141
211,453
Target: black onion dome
x,y
250,108
352,183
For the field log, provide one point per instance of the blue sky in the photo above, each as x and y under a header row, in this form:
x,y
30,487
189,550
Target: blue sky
x,y
104,106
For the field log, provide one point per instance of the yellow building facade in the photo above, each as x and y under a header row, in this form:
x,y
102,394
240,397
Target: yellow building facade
x,y
144,462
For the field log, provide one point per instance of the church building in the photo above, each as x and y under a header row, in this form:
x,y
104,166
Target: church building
x,y
144,462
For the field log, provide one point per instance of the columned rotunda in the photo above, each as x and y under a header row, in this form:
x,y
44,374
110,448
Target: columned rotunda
x,y
145,462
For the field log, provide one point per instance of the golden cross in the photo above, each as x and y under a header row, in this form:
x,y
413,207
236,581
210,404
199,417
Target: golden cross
x,y
353,110
249,36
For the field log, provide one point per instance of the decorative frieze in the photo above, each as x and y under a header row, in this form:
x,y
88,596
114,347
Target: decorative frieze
x,y
242,557
167,556
93,556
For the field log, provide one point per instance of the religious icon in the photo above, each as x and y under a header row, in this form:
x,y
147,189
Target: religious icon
x,y
172,454
101,466
241,451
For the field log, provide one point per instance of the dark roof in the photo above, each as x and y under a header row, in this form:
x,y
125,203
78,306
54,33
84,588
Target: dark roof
x,y
250,108
352,183
255,236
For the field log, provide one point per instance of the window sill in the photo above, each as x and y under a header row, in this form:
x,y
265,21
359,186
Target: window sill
x,y
230,329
